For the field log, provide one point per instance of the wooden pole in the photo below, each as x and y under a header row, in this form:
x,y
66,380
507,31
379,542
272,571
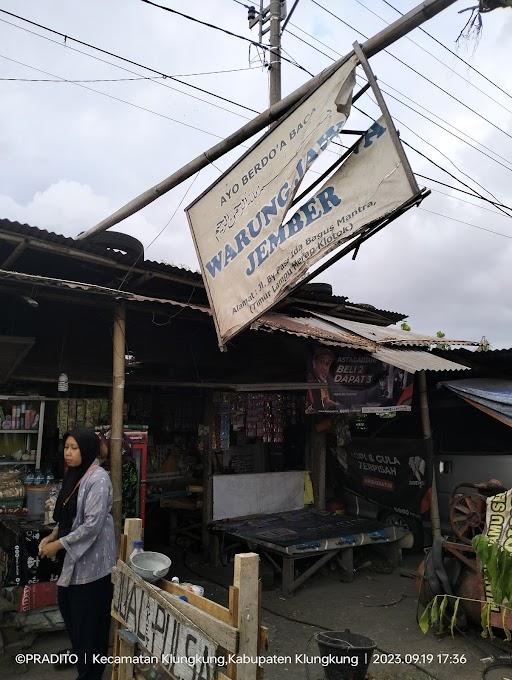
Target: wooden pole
x,y
427,435
318,465
246,580
116,434
417,16
209,542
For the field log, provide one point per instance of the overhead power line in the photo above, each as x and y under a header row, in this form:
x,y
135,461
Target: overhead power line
x,y
67,37
424,49
463,200
462,191
110,96
462,132
467,224
414,70
122,80
499,205
72,80
218,28
452,52
473,193
437,149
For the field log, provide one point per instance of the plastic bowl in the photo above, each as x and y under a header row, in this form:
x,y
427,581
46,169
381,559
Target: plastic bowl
x,y
151,566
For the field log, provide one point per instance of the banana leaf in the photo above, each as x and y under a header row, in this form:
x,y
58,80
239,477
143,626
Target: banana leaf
x,y
442,614
453,622
424,622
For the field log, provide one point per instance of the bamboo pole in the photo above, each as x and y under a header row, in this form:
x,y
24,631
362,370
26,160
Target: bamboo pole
x,y
427,435
116,434
417,16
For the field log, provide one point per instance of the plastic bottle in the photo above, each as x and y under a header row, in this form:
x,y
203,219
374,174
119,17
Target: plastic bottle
x,y
29,478
39,478
49,477
138,547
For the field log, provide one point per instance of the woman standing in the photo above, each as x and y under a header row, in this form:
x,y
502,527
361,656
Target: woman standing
x,y
84,540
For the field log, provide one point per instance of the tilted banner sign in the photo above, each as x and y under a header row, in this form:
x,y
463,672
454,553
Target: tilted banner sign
x,y
249,258
252,199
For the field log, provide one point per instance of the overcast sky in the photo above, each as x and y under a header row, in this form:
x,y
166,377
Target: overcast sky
x,y
70,156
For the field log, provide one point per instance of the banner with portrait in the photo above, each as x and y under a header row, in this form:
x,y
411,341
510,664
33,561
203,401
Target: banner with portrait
x,y
355,382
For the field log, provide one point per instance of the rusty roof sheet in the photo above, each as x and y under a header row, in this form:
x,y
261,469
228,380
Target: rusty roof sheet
x,y
310,327
77,286
387,335
333,334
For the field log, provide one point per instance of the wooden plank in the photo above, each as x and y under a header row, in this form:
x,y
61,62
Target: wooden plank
x,y
233,605
246,579
233,612
203,603
219,676
161,630
224,635
264,640
133,532
126,669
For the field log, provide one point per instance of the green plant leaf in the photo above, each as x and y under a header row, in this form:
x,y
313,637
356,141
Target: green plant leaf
x,y
434,612
442,614
504,613
453,622
424,622
486,621
483,620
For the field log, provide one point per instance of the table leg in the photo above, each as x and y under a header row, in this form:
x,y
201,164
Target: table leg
x,y
346,561
288,575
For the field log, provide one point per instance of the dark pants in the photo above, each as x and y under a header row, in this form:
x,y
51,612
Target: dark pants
x,y
86,613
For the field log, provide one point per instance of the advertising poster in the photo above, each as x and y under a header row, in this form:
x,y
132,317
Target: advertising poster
x,y
356,382
394,473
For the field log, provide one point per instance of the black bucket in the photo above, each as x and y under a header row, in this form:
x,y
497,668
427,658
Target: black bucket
x,y
351,654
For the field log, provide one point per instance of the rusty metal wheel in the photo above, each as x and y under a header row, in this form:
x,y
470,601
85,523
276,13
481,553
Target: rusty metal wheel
x,y
467,511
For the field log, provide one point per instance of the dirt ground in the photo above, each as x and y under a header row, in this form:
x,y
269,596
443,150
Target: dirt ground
x,y
380,606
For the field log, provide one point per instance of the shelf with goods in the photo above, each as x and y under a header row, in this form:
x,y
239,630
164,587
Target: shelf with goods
x,y
21,430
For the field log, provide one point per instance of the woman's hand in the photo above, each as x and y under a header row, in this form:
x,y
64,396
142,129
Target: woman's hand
x,y
47,539
49,549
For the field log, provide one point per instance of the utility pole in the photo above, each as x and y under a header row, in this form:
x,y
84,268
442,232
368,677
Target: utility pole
x,y
274,90
272,15
116,432
402,26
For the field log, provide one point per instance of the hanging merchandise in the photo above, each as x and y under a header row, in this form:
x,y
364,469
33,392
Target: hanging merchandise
x,y
72,413
257,415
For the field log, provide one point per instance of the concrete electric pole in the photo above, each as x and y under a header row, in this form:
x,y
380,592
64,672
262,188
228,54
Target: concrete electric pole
x,y
272,15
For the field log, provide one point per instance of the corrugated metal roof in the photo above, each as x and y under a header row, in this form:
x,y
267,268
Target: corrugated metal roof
x,y
309,327
310,294
387,335
25,230
412,361
77,286
332,334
